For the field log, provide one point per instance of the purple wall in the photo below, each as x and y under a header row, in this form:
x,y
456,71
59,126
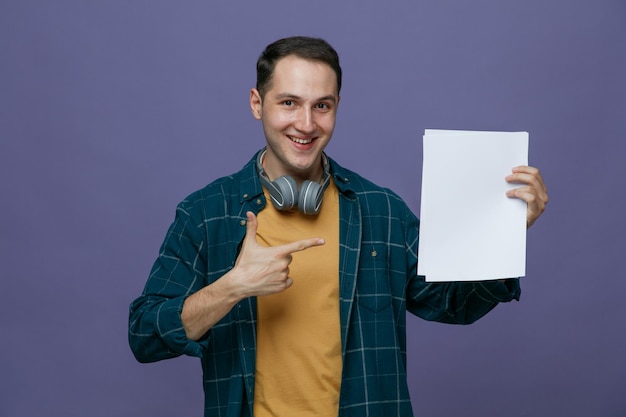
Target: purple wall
x,y
111,112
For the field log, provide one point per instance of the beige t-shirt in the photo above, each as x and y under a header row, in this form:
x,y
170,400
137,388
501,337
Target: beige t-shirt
x,y
298,360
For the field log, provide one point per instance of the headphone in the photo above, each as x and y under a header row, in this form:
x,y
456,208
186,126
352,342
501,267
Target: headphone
x,y
284,190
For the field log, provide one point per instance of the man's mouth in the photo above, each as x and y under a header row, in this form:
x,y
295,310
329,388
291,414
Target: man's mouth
x,y
300,140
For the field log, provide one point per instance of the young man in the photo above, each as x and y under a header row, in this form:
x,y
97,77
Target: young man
x,y
297,306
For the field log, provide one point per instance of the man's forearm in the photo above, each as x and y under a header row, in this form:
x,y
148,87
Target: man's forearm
x,y
205,308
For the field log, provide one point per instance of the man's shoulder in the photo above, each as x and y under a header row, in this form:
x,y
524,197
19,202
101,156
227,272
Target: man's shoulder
x,y
360,185
219,186
224,188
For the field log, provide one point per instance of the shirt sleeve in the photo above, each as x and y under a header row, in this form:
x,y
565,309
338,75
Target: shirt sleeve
x,y
155,327
459,302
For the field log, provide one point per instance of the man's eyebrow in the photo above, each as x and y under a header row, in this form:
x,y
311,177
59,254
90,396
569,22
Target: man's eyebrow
x,y
329,97
285,96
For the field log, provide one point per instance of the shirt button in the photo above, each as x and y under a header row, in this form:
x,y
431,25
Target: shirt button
x,y
242,222
259,201
374,253
245,196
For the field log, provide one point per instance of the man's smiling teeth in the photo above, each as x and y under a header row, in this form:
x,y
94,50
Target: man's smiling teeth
x,y
300,141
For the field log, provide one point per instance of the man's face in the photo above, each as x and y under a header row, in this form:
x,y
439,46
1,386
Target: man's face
x,y
298,115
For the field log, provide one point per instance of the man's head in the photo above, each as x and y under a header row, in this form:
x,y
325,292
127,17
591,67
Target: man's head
x,y
311,49
296,101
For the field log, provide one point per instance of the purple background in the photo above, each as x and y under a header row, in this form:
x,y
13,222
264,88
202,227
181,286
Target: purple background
x,y
111,112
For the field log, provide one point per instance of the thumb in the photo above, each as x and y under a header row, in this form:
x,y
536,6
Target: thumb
x,y
251,227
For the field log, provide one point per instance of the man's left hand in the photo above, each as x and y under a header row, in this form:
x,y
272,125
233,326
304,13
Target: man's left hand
x,y
533,192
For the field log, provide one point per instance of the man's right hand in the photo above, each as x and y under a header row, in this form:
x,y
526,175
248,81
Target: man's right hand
x,y
258,271
261,270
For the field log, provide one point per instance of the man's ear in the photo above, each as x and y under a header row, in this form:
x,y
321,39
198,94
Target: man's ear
x,y
256,103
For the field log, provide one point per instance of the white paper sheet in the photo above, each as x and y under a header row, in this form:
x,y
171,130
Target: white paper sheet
x,y
469,229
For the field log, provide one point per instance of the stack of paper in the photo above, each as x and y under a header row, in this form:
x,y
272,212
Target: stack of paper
x,y
469,229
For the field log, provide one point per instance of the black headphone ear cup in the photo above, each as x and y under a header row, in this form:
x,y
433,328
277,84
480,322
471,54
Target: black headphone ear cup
x,y
284,193
310,198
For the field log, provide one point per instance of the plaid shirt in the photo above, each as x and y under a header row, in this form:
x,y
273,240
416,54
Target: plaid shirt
x,y
378,284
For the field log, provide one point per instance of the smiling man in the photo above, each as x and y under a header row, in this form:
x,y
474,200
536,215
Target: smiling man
x,y
298,113
290,279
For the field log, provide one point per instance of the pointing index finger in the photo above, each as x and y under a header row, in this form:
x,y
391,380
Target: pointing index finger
x,y
301,245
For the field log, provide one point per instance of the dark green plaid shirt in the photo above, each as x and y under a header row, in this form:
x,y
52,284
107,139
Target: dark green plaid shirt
x,y
378,284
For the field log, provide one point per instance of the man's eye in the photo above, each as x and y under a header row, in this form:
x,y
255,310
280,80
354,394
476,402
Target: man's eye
x,y
322,106
288,103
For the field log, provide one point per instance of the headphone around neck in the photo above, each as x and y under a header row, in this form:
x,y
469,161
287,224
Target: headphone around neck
x,y
284,191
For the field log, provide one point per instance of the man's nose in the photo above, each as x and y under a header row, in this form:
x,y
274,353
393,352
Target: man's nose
x,y
305,121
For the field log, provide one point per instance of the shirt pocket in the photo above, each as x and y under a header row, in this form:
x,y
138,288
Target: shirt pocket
x,y
373,290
